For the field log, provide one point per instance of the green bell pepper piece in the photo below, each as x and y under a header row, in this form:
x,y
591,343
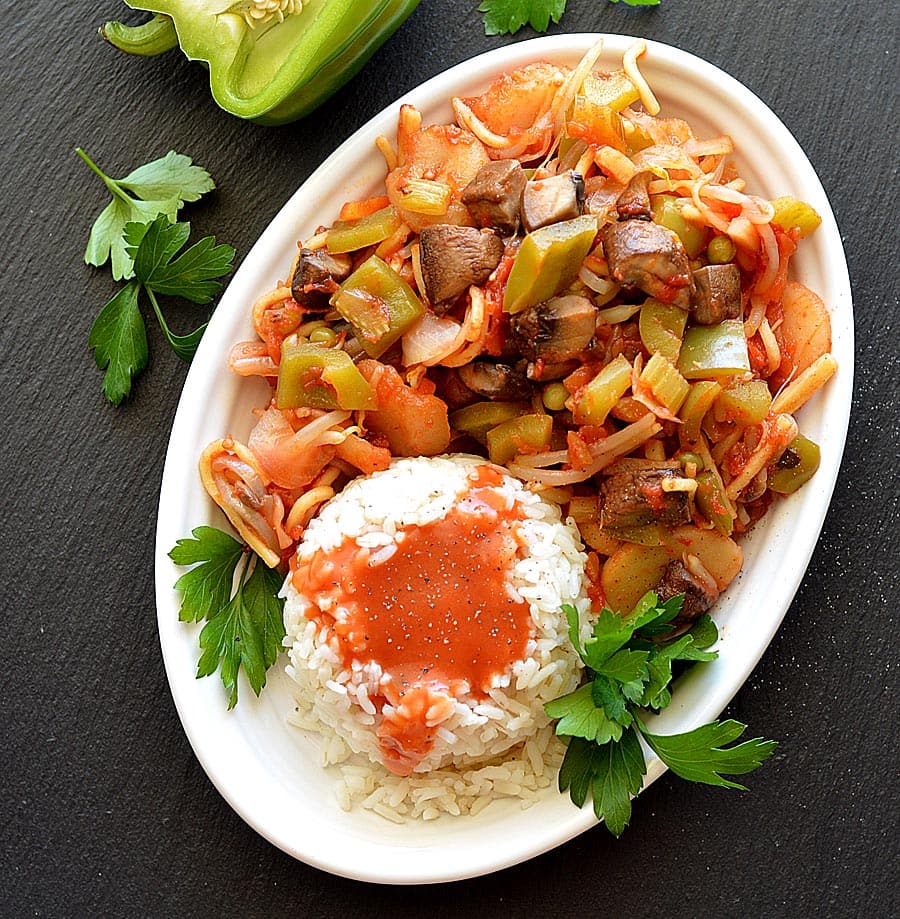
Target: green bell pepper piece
x,y
379,305
745,403
662,327
525,434
268,65
316,376
798,464
594,401
712,502
548,260
714,351
477,419
667,214
373,228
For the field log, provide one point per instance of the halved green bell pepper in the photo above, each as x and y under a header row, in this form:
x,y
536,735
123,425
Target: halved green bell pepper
x,y
271,63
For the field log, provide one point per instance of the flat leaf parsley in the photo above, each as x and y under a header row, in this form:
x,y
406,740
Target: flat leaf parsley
x,y
629,665
237,595
503,17
118,335
160,187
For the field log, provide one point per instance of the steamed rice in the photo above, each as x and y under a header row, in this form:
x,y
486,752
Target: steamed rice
x,y
499,745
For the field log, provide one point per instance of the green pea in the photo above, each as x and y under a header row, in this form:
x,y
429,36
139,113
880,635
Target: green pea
x,y
688,457
554,397
323,336
720,250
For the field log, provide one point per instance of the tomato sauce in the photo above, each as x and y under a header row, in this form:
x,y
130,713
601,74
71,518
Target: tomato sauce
x,y
436,615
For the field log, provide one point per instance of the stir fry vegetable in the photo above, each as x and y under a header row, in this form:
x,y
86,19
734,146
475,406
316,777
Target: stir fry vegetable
x,y
577,288
271,61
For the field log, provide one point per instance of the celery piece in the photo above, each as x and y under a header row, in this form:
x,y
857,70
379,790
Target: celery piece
x,y
423,196
699,401
790,212
667,213
548,260
477,419
662,328
648,534
347,236
711,501
378,304
668,386
525,434
316,376
714,351
797,466
745,403
593,402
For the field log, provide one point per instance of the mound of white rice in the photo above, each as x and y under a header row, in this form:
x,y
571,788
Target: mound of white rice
x,y
501,745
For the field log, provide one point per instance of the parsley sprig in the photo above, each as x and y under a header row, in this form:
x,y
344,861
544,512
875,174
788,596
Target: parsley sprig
x,y
162,186
503,17
118,335
237,595
629,663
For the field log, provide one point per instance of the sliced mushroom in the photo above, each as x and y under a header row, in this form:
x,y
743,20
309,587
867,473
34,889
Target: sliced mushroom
x,y
495,381
644,254
717,294
634,202
237,483
541,371
453,258
637,498
700,593
555,330
316,275
550,200
494,196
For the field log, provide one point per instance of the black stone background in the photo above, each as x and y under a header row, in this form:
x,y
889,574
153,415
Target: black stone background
x,y
105,810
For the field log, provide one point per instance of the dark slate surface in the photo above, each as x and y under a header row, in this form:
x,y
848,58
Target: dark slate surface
x,y
106,812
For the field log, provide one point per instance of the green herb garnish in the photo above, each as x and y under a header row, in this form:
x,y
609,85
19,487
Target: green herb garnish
x,y
118,335
160,187
237,595
629,664
508,16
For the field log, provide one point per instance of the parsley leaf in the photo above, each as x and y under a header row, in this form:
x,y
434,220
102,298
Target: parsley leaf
x,y
207,587
244,628
118,335
612,773
701,756
508,16
579,716
119,340
629,664
160,187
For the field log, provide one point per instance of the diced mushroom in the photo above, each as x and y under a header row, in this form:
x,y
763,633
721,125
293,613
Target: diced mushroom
x,y
634,202
541,371
700,593
644,254
550,200
638,498
494,196
453,258
495,381
717,294
316,276
555,330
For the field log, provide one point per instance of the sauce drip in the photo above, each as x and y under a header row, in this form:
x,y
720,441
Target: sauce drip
x,y
436,615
